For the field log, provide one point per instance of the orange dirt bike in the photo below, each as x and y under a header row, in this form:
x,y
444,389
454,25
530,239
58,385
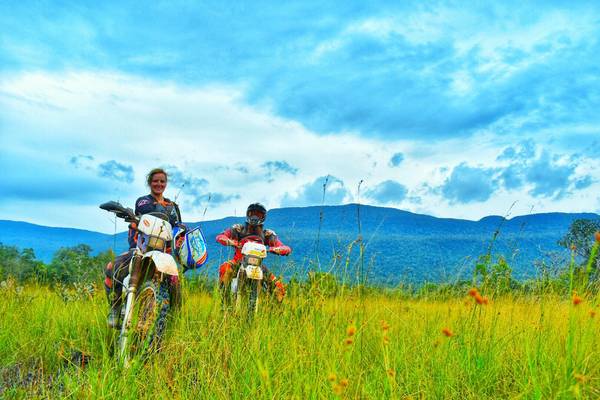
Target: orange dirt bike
x,y
248,283
147,299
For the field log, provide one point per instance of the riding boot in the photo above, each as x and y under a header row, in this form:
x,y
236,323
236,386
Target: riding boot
x,y
113,284
114,315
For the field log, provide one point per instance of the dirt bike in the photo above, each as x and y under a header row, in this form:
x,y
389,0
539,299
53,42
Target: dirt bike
x,y
147,301
248,283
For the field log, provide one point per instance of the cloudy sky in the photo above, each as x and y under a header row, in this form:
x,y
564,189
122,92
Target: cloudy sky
x,y
443,108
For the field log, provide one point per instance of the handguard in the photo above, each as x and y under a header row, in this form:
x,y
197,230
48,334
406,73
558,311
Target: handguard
x,y
278,250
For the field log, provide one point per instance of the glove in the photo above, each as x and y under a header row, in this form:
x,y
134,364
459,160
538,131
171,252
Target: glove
x,y
233,243
275,250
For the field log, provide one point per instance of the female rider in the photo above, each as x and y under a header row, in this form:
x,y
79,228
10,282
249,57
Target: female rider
x,y
115,273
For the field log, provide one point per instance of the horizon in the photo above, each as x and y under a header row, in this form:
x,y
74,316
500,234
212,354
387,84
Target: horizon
x,y
124,226
450,111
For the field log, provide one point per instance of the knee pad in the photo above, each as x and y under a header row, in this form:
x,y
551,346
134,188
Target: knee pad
x,y
108,272
225,270
279,290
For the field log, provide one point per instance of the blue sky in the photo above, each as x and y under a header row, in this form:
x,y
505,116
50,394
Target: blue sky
x,y
439,107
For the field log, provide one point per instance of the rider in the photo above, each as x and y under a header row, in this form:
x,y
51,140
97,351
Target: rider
x,y
115,273
252,230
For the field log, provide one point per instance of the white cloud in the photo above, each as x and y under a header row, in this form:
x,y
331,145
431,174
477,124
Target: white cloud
x,y
495,35
208,133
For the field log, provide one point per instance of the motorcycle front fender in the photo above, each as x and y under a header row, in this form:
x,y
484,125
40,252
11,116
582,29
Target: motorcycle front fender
x,y
164,262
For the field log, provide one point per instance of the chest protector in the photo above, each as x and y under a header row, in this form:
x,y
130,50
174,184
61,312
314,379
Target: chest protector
x,y
241,232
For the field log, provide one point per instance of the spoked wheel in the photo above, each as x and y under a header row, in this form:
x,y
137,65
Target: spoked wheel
x,y
148,321
246,297
240,290
253,287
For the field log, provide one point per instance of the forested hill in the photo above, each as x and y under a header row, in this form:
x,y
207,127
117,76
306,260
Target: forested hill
x,y
398,244
345,219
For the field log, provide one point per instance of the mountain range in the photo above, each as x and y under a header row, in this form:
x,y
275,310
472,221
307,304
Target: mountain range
x,y
398,245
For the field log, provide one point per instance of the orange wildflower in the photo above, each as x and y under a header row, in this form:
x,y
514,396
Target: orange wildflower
x,y
384,325
577,300
348,341
447,332
338,390
580,377
597,237
332,377
480,299
391,373
344,382
592,313
573,247
386,340
351,330
473,292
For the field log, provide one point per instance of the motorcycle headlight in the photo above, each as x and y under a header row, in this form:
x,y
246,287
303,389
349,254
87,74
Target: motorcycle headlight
x,y
156,242
253,261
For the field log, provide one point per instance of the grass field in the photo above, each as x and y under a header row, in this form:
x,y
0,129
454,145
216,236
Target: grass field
x,y
349,346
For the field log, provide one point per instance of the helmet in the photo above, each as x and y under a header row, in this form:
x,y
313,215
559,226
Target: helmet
x,y
256,214
190,247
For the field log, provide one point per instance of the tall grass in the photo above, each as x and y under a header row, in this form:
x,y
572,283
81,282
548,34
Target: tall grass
x,y
352,345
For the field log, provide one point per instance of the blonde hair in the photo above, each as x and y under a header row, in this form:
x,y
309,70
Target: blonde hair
x,y
154,172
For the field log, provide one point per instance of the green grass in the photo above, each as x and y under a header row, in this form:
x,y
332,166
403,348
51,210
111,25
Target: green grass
x,y
517,346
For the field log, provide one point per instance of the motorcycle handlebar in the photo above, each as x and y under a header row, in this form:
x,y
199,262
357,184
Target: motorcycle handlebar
x,y
121,212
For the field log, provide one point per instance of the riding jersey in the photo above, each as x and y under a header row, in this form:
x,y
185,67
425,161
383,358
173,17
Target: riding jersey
x,y
239,232
147,204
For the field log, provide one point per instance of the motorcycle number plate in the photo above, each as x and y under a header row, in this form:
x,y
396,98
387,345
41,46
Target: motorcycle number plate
x,y
254,272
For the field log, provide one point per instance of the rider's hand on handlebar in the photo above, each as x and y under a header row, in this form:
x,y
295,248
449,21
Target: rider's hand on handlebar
x,y
275,250
233,243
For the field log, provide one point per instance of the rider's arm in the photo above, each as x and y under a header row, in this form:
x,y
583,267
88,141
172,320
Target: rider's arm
x,y
179,220
132,235
226,238
144,205
175,217
276,246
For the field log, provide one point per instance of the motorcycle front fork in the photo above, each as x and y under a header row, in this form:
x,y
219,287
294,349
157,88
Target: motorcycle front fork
x,y
131,282
254,288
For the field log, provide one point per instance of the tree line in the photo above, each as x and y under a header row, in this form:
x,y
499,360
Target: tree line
x,y
68,265
77,264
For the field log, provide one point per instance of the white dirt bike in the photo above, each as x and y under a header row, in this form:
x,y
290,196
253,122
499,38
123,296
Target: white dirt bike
x,y
147,300
247,284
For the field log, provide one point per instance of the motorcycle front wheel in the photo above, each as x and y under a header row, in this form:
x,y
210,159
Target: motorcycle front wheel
x,y
148,320
254,286
246,296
